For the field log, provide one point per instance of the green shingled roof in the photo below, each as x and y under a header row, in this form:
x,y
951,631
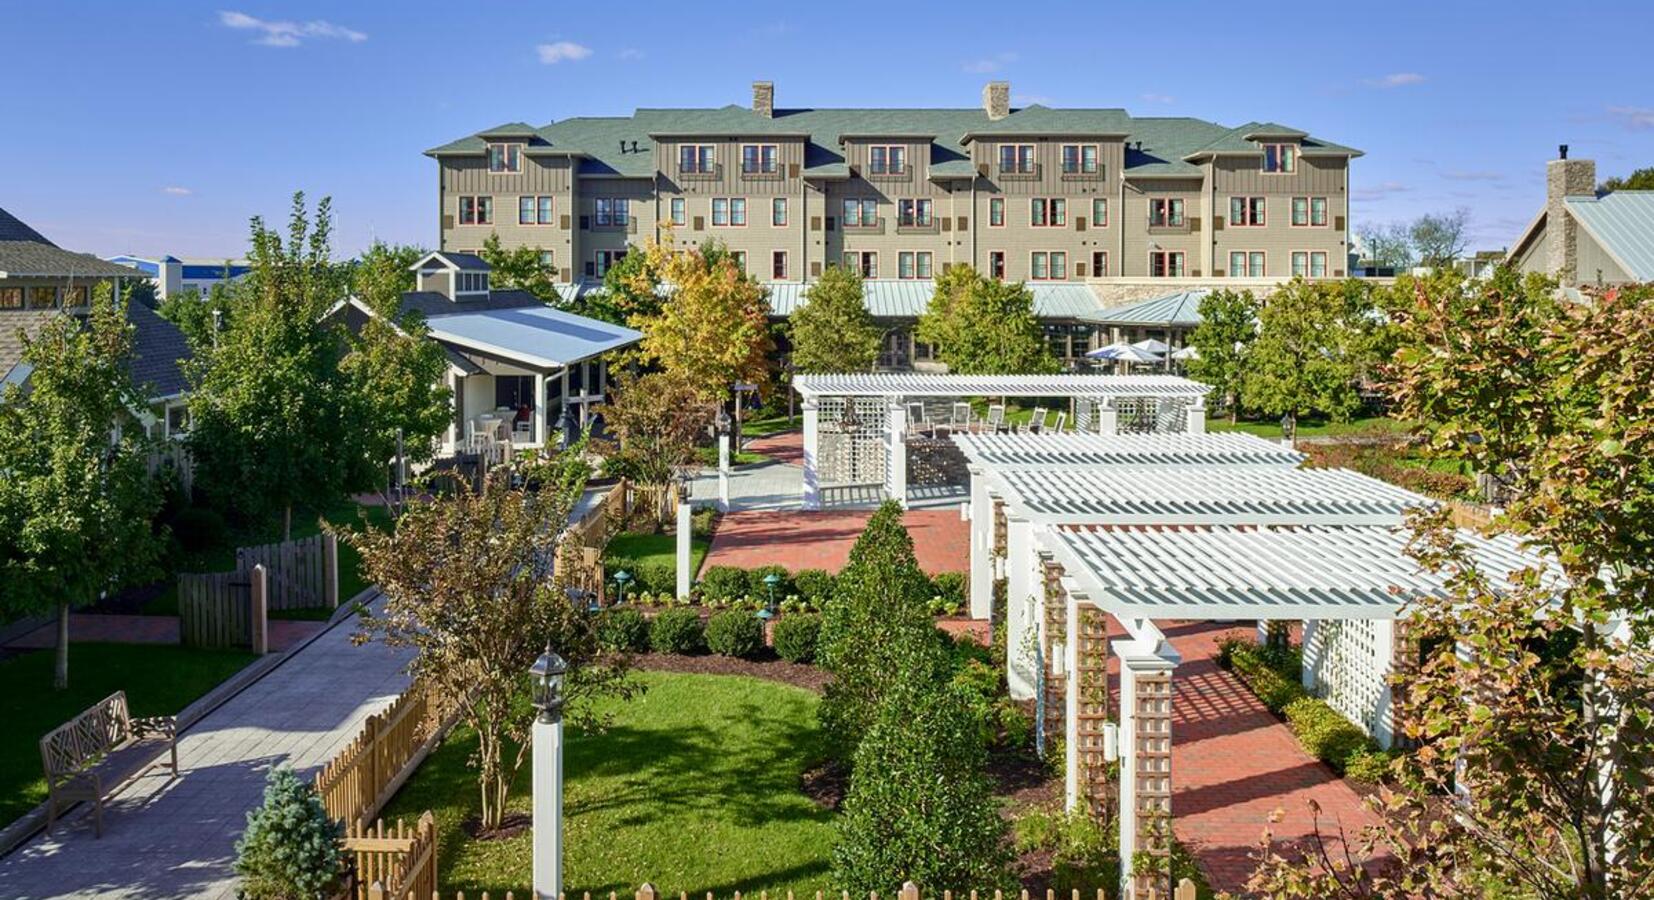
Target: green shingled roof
x,y
624,146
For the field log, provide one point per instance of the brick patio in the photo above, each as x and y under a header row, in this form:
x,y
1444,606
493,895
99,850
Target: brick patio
x,y
822,540
787,447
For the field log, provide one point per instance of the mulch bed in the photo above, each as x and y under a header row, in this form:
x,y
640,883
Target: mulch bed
x,y
773,668
511,825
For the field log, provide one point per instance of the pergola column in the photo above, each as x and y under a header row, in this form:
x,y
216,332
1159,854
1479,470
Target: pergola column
x,y
1086,774
895,451
1196,412
812,448
982,547
539,409
1108,418
1146,664
1053,707
1022,593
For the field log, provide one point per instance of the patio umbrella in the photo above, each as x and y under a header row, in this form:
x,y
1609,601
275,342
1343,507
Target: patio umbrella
x,y
1152,346
1186,353
1125,352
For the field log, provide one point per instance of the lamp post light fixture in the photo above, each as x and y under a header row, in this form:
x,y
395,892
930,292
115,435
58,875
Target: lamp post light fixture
x,y
547,738
770,581
622,578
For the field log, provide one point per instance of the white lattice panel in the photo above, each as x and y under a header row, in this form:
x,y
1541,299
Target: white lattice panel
x,y
856,455
1348,663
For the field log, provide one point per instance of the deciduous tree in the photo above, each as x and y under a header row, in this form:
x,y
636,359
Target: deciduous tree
x,y
657,419
1639,180
469,583
1440,238
981,326
714,331
1315,343
520,268
833,332
76,499
1228,326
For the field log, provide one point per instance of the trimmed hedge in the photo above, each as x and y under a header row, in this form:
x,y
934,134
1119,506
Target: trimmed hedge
x,y
677,631
1324,732
758,589
796,637
948,593
725,583
735,632
1273,675
648,577
623,630
814,586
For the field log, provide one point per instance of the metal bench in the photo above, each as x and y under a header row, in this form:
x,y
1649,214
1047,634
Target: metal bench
x,y
99,752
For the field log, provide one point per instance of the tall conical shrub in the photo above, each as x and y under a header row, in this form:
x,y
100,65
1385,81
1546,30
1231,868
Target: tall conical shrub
x,y
290,849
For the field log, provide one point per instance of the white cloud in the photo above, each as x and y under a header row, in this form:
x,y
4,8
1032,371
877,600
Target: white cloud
x,y
988,65
286,33
1396,79
562,51
630,53
1632,118
1379,191
1152,97
176,191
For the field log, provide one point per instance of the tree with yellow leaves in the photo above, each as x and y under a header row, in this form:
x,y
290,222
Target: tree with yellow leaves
x,y
713,330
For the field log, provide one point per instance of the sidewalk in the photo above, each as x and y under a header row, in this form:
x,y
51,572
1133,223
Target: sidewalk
x,y
126,629
167,838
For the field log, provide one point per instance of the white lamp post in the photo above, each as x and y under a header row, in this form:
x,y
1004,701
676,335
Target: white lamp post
x,y
547,736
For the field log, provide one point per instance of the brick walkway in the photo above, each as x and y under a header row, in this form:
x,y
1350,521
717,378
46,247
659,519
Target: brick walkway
x,y
176,838
787,447
822,540
1233,763
124,629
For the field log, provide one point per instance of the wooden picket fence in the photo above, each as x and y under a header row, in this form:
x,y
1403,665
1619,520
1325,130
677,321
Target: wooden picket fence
x,y
224,609
392,862
302,573
1185,890
363,777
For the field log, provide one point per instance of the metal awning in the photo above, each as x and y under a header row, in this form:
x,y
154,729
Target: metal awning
x,y
896,385
1078,451
537,337
1240,572
1242,495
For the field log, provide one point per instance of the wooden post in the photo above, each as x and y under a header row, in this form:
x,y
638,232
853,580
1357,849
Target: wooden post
x,y
646,892
258,612
910,891
1185,890
330,569
376,891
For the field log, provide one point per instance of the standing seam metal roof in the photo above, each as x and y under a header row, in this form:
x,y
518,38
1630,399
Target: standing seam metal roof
x,y
1623,223
908,298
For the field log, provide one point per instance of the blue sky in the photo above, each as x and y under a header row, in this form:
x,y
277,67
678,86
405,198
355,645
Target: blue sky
x,y
149,128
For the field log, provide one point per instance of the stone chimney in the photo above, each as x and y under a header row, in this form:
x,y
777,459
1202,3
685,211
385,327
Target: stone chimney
x,y
996,99
1564,178
763,98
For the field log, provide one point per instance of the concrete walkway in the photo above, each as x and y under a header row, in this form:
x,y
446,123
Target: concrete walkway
x,y
176,838
114,628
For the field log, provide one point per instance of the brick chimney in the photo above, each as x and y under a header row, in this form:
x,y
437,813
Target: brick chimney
x,y
1564,178
996,99
763,98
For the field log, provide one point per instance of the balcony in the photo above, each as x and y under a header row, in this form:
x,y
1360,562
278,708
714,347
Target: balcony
x,y
1020,173
874,227
699,174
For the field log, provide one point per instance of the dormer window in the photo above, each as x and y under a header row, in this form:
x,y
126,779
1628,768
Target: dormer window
x,y
470,283
887,160
505,158
1280,158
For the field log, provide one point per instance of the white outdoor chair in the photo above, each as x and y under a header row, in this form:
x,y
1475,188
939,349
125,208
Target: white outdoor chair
x,y
959,418
1036,422
996,418
1062,420
916,418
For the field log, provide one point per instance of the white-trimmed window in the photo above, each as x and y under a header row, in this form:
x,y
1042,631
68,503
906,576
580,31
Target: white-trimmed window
x,y
1079,159
865,262
606,259
1048,265
534,211
1016,158
778,211
613,211
1099,263
778,265
740,257
680,213
505,158
996,212
729,211
476,210
887,159
759,159
1247,212
1246,263
860,213
1166,264
913,264
1309,264
697,159
470,282
1099,212
1317,212
1165,212
1280,158
720,211
914,213
1048,212
547,259
996,264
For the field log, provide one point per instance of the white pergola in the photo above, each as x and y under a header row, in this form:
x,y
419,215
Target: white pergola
x,y
868,412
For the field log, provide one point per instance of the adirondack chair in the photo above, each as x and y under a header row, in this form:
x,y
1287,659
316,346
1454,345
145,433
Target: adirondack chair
x,y
916,420
995,422
1062,420
1036,422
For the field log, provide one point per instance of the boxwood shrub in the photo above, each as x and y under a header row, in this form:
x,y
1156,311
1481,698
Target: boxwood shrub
x,y
1324,732
795,637
735,632
948,589
757,589
623,630
814,586
724,583
677,631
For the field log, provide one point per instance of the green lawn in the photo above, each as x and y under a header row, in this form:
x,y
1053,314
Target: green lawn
x,y
657,548
708,456
158,680
694,788
222,559
767,424
1370,425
